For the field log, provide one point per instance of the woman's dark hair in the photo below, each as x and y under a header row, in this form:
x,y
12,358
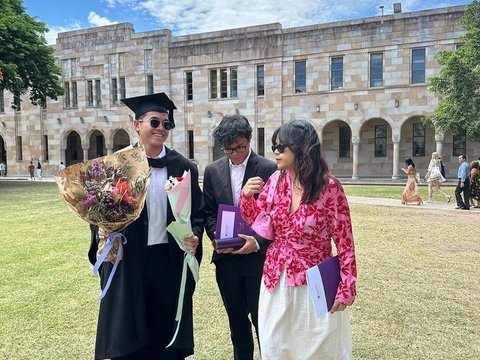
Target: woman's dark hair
x,y
311,168
409,161
232,127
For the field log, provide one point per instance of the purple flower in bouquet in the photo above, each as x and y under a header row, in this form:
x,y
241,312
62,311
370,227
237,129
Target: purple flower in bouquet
x,y
89,200
97,169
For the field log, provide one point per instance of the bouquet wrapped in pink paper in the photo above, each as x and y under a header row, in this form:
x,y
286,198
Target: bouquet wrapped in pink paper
x,y
108,192
180,198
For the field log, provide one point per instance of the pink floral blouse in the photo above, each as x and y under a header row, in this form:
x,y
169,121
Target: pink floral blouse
x,y
303,239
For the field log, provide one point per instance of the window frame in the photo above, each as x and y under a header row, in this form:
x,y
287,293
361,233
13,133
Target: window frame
x,y
122,87
114,91
67,104
233,82
416,62
300,77
260,80
89,93
376,68
74,97
416,126
189,85
336,75
98,93
223,83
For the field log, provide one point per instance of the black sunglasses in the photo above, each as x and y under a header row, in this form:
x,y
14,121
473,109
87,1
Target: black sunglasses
x,y
280,147
155,123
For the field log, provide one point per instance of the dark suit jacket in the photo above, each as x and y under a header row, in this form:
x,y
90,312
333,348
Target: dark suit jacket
x,y
217,189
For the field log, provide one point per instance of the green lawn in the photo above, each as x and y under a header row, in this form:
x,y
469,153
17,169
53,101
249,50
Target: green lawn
x,y
418,289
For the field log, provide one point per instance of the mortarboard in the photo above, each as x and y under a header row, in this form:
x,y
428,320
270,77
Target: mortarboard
x,y
159,102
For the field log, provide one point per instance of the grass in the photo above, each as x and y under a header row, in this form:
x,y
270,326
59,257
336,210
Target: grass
x,y
418,291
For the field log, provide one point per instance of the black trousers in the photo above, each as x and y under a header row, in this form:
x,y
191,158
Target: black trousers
x,y
161,307
465,202
238,278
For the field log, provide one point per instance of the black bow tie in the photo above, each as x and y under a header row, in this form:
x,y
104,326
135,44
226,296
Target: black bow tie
x,y
157,163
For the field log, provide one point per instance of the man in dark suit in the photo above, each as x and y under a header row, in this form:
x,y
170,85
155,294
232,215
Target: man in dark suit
x,y
239,272
137,315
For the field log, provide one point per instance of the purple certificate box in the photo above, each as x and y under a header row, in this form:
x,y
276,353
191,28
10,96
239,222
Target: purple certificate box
x,y
236,222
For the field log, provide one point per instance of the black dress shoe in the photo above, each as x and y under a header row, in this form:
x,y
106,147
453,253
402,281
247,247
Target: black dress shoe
x,y
458,207
465,208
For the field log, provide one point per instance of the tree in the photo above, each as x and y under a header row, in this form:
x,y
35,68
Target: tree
x,y
458,82
27,63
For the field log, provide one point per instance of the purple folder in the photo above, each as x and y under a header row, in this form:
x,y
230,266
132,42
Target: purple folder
x,y
323,281
230,223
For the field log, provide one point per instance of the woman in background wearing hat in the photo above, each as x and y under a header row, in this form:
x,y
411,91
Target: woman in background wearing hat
x,y
137,314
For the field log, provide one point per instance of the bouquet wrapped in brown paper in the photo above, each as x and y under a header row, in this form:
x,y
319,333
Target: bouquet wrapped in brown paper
x,y
108,191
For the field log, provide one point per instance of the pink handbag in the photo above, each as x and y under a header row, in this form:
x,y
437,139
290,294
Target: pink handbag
x,y
263,222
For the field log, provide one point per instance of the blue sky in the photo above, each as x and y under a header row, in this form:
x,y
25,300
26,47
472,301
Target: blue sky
x,y
193,16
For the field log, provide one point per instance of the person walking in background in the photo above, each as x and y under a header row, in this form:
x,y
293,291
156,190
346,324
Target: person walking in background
x,y
463,185
410,194
61,167
434,177
309,211
3,169
475,183
31,170
39,170
238,273
442,167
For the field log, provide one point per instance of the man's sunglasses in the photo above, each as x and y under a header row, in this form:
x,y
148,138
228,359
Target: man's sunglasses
x,y
155,123
280,147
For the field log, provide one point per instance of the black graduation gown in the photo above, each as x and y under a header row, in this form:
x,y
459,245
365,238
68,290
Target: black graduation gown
x,y
122,322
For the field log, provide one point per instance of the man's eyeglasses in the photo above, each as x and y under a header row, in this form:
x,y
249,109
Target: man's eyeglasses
x,y
239,150
155,123
280,147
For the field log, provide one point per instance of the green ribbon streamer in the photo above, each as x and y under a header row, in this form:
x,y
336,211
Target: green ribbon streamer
x,y
180,231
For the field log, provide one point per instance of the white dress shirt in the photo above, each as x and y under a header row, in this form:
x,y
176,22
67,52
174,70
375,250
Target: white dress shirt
x,y
157,205
237,172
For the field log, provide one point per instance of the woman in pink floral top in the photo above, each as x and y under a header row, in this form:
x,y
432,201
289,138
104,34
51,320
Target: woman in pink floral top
x,y
309,210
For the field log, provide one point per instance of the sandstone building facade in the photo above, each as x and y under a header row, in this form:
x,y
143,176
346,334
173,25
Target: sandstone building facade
x,y
362,83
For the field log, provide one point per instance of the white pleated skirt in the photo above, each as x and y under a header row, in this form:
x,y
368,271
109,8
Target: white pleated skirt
x,y
290,330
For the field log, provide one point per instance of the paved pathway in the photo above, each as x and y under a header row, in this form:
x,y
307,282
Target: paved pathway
x,y
436,205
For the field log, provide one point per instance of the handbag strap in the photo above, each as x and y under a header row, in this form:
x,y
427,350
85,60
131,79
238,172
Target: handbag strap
x,y
272,189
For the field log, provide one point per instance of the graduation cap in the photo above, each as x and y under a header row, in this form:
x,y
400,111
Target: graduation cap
x,y
158,102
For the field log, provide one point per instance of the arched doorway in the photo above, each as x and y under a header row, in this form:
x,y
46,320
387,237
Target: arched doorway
x,y
97,145
376,148
336,147
73,152
121,139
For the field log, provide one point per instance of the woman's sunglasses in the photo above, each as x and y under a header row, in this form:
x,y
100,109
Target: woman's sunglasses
x,y
280,147
155,123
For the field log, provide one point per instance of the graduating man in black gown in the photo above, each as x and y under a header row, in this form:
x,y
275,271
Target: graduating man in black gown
x,y
137,314
238,273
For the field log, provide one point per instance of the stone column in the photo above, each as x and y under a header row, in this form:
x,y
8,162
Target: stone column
x,y
355,143
85,153
396,155
439,138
